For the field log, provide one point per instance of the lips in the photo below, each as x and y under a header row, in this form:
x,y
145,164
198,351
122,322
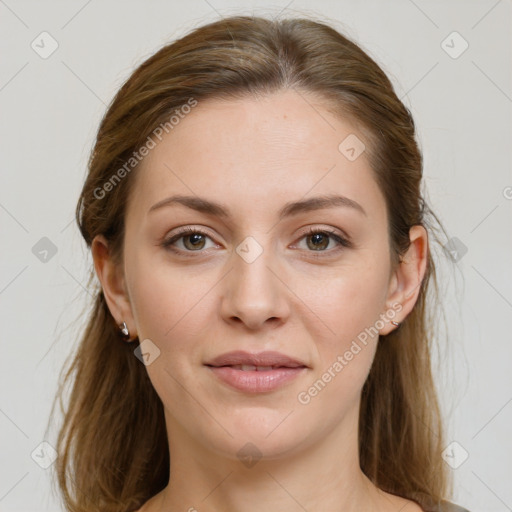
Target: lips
x,y
255,373
252,368
263,360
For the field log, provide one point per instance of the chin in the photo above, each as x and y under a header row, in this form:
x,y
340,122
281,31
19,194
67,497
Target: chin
x,y
263,433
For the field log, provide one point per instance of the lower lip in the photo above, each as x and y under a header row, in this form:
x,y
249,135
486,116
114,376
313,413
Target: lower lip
x,y
252,381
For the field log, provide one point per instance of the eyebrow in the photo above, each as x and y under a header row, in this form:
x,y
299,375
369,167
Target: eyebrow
x,y
289,209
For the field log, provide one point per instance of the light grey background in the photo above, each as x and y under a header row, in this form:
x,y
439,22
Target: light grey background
x,y
50,111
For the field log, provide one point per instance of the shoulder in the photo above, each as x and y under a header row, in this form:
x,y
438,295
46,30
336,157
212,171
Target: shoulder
x,y
447,506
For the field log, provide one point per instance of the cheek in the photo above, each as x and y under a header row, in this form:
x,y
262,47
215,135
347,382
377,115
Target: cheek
x,y
349,307
165,299
347,301
173,309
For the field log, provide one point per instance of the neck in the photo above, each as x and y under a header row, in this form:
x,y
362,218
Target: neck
x,y
322,476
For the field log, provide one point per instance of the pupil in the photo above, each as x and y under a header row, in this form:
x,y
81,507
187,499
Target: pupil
x,y
319,237
195,240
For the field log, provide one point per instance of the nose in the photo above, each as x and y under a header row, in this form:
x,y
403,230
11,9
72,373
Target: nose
x,y
254,293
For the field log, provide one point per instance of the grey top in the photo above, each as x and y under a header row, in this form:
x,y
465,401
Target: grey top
x,y
447,506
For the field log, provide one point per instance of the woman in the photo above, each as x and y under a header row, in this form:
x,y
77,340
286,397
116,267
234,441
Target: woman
x,y
254,214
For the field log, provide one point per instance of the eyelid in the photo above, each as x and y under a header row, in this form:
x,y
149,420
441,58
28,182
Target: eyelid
x,y
341,238
311,230
168,240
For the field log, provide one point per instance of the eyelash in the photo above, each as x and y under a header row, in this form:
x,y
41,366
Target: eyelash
x,y
343,242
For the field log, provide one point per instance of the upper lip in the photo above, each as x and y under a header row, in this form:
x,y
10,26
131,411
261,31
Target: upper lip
x,y
268,358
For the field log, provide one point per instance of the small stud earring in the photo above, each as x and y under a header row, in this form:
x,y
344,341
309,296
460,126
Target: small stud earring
x,y
125,333
395,323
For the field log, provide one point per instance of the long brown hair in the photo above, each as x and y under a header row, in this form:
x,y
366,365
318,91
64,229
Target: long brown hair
x,y
112,447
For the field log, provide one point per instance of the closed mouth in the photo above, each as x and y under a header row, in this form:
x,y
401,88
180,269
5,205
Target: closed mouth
x,y
263,361
253,368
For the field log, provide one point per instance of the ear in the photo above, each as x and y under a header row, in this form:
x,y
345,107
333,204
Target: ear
x,y
406,279
113,283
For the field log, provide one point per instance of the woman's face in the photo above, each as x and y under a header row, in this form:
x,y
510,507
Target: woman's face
x,y
249,276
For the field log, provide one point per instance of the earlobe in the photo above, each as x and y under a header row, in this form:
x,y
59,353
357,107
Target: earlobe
x,y
112,282
405,283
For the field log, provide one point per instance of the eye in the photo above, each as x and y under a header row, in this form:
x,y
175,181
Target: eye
x,y
320,239
192,240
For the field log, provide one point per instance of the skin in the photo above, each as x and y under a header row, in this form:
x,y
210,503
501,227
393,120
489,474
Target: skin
x,y
254,155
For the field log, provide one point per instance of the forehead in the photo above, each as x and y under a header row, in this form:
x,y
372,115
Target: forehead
x,y
259,151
